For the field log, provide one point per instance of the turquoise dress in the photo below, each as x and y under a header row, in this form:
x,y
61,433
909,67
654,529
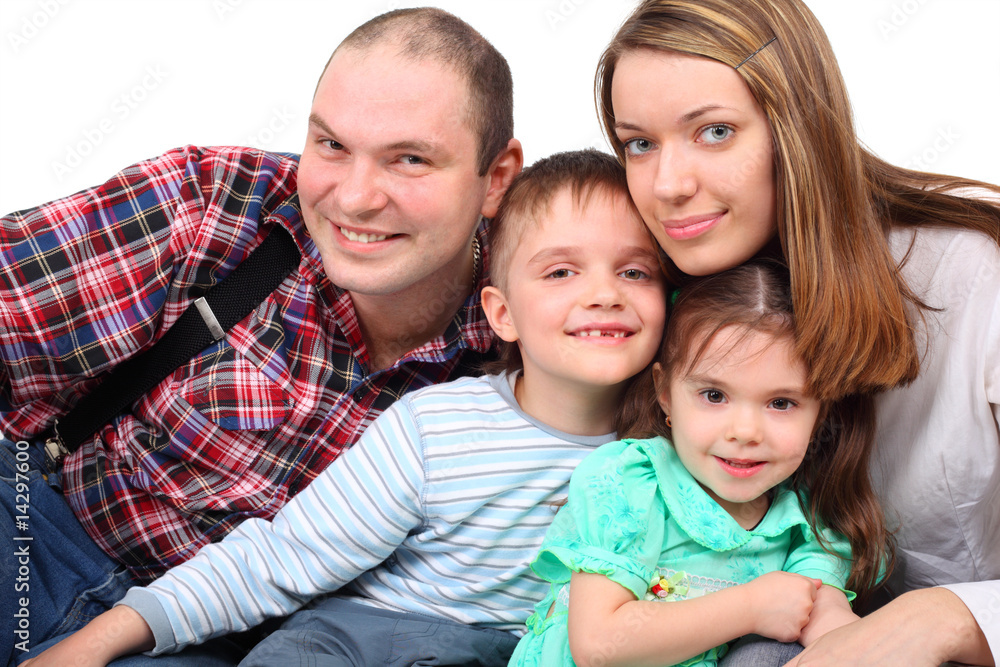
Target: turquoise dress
x,y
638,517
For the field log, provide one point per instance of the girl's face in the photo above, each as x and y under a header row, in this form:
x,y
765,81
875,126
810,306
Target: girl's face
x,y
698,153
742,417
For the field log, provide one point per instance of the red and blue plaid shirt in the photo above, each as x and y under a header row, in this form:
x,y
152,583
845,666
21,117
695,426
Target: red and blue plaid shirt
x,y
90,280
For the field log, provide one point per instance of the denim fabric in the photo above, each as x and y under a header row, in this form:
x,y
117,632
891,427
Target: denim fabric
x,y
55,579
757,651
338,633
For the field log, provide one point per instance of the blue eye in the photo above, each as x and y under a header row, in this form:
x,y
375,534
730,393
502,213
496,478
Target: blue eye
x,y
638,146
716,134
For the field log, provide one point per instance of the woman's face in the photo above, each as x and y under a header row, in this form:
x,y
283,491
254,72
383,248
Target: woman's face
x,y
698,156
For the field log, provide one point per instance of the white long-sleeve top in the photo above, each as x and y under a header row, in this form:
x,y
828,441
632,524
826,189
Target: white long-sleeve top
x,y
438,509
937,465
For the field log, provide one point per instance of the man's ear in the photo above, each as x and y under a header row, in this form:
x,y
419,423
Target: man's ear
x,y
498,314
505,167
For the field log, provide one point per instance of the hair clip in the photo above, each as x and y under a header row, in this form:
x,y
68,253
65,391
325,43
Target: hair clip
x,y
766,44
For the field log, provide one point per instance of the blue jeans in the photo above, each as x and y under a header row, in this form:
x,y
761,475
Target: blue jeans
x,y
757,651
334,632
54,578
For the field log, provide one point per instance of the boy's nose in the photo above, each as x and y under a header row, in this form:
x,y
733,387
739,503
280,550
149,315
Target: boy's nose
x,y
604,292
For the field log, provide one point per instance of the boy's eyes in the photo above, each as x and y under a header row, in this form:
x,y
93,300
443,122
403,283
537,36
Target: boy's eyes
x,y
634,274
560,273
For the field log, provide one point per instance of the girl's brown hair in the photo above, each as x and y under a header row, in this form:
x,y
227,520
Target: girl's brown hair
x,y
755,297
835,200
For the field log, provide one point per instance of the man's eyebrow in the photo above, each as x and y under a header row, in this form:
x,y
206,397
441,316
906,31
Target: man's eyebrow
x,y
314,119
414,146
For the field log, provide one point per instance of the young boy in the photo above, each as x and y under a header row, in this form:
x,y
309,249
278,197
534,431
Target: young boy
x,y
425,528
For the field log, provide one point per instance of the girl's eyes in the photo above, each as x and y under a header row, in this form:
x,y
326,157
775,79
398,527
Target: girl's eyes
x,y
637,146
782,404
716,134
713,395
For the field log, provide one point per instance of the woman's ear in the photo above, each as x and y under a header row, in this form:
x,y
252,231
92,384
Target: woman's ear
x,y
498,314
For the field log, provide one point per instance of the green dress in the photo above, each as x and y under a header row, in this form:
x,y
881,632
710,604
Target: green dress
x,y
638,517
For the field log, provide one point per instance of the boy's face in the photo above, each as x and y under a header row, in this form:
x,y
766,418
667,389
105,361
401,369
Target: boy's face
x,y
585,299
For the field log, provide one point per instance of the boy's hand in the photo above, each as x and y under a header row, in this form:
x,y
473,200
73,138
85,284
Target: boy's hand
x,y
117,632
781,604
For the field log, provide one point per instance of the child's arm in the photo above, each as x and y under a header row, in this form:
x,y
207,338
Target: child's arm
x,y
607,625
117,632
830,611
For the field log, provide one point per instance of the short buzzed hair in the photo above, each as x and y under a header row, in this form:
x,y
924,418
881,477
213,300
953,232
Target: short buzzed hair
x,y
428,33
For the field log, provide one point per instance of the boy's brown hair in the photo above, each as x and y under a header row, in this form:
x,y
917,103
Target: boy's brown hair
x,y
528,200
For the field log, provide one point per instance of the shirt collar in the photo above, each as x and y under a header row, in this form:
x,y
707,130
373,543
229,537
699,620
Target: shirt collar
x,y
702,518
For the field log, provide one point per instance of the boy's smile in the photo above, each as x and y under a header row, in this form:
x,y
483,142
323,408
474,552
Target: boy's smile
x,y
585,300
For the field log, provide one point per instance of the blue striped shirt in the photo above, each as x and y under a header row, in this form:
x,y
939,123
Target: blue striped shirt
x,y
438,509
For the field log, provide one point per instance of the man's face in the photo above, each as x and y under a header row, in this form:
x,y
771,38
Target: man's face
x,y
388,178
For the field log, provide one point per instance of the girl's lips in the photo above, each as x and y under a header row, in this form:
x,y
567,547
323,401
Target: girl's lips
x,y
681,230
740,468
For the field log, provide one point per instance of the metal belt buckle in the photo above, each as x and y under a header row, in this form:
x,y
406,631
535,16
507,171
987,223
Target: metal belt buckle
x,y
55,449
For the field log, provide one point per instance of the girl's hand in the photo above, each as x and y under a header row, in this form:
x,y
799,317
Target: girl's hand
x,y
830,611
782,603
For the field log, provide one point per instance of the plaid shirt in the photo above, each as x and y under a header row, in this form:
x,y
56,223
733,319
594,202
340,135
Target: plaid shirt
x,y
90,280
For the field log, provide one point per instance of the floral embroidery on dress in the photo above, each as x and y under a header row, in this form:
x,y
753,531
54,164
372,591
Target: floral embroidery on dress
x,y
668,585
674,587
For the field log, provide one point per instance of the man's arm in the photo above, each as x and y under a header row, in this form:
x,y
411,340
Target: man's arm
x,y
922,628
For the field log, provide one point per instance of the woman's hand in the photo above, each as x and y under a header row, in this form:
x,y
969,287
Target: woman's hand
x,y
117,632
922,628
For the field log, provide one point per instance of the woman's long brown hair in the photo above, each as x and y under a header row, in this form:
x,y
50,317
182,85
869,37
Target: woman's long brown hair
x,y
835,200
755,297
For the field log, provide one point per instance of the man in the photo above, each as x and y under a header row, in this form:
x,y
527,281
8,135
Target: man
x,y
409,144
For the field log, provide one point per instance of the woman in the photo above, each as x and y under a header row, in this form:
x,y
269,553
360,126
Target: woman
x,y
736,131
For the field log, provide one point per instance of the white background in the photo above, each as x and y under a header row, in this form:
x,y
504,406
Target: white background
x,y
90,86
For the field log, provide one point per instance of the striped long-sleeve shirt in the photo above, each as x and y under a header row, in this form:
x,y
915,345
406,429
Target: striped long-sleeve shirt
x,y
438,509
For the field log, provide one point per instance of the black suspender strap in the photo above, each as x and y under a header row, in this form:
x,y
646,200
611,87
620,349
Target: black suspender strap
x,y
203,323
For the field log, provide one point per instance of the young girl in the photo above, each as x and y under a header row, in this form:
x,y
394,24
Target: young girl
x,y
730,516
